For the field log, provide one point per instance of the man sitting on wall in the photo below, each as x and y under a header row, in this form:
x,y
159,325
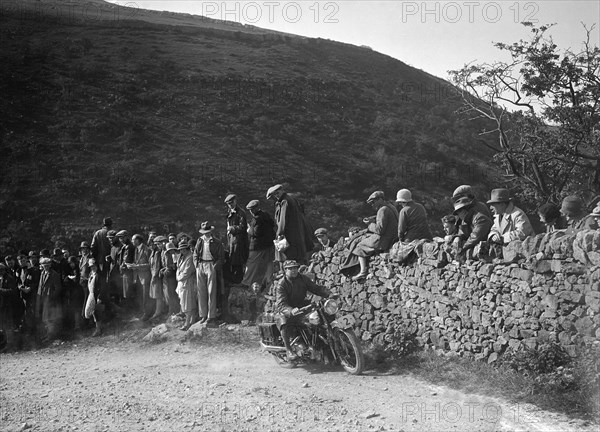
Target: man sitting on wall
x,y
510,222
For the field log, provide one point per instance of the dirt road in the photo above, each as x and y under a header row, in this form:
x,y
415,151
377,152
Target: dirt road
x,y
223,382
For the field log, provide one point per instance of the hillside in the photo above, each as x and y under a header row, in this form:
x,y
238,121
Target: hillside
x,y
153,117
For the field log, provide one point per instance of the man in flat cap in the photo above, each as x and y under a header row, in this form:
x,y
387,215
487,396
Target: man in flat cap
x,y
100,249
325,243
237,238
261,232
510,222
126,257
49,303
382,233
142,276
290,296
291,225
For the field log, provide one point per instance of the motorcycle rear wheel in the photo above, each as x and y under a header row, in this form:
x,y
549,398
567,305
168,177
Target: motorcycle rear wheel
x,y
349,351
281,359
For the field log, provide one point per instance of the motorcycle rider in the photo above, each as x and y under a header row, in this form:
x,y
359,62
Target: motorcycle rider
x,y
290,296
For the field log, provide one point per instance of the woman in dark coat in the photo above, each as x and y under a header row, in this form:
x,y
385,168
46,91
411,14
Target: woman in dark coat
x,y
261,232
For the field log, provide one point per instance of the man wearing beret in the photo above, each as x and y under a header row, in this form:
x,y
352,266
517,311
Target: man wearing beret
x,y
261,232
291,224
237,238
510,222
290,296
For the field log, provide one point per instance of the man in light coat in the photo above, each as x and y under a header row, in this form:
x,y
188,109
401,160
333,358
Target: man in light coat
x,y
510,222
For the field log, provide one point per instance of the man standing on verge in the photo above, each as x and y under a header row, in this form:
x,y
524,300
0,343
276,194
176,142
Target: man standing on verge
x,y
237,238
208,258
291,224
100,249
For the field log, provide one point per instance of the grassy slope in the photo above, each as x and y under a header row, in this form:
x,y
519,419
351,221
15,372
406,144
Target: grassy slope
x,y
154,120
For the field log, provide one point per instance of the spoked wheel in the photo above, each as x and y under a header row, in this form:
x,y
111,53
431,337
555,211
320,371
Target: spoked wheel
x,y
349,351
281,359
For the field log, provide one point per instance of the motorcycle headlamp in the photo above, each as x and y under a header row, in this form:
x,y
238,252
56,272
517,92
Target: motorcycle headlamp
x,y
313,318
331,307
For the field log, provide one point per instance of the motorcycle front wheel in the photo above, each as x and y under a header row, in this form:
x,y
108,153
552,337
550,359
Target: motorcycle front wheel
x,y
349,351
281,359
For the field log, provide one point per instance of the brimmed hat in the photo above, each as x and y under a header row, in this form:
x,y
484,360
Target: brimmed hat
x,y
205,227
461,203
571,206
122,233
111,233
273,189
107,221
57,252
596,211
45,261
375,195
171,246
320,232
183,245
403,195
160,239
84,244
290,264
138,236
462,191
499,196
230,198
252,204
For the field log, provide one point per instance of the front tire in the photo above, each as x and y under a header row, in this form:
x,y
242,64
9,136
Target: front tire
x,y
281,360
349,351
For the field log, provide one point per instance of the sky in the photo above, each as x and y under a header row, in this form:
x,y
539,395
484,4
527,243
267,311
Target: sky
x,y
435,36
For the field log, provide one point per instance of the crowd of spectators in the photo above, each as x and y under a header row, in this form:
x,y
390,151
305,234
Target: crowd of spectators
x,y
153,277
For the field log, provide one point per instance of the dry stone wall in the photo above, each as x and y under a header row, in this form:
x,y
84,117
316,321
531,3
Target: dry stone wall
x,y
544,289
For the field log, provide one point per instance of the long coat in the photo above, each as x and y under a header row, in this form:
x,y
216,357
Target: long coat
x,y
156,286
383,232
261,231
292,224
186,282
238,238
49,297
100,249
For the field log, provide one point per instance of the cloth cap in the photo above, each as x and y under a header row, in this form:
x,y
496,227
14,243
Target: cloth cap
x,y
403,195
449,219
183,245
111,233
230,198
107,221
45,261
160,239
273,189
205,227
320,232
461,203
375,195
45,252
138,236
596,211
122,233
253,204
57,252
84,244
461,191
171,246
571,206
290,264
499,196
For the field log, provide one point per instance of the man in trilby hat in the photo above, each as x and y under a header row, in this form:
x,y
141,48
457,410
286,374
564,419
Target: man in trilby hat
x,y
510,222
208,258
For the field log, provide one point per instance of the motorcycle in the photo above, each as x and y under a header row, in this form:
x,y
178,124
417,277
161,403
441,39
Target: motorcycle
x,y
318,336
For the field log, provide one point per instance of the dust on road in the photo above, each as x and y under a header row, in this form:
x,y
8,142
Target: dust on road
x,y
225,383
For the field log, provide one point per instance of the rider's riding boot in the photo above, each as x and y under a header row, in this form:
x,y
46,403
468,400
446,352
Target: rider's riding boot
x,y
286,341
